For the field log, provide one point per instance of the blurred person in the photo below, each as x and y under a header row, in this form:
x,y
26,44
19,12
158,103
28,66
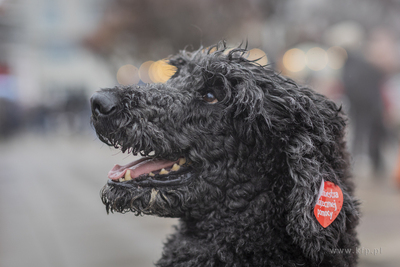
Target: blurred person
x,y
76,110
397,171
10,117
392,90
383,53
363,80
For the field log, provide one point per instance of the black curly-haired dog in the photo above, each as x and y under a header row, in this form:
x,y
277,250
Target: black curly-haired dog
x,y
238,153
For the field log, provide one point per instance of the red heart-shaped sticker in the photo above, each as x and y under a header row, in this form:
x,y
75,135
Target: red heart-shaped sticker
x,y
329,203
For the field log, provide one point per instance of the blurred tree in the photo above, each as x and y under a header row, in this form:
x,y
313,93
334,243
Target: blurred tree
x,y
153,29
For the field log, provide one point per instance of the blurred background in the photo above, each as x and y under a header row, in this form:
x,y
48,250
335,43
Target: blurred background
x,y
55,53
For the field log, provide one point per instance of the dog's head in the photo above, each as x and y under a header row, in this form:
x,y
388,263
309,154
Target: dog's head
x,y
224,133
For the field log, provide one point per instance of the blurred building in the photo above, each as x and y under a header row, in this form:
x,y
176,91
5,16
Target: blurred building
x,y
44,50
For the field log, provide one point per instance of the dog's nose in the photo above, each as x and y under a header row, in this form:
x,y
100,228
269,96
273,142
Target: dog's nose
x,y
103,103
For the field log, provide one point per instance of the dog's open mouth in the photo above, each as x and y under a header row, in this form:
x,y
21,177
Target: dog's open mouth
x,y
150,171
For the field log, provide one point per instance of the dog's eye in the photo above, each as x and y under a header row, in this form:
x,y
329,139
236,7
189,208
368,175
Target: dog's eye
x,y
210,98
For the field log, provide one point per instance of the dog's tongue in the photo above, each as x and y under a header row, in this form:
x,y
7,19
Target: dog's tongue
x,y
139,167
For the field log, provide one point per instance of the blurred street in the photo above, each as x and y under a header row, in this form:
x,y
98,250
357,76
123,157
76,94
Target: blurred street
x,y
379,225
52,215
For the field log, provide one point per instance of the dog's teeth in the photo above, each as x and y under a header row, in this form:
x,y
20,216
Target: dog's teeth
x,y
121,179
128,175
152,153
163,171
151,174
176,167
182,161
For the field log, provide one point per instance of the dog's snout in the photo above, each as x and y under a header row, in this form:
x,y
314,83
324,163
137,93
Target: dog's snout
x,y
103,103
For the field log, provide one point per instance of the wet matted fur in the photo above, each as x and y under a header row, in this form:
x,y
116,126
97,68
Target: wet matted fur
x,y
257,147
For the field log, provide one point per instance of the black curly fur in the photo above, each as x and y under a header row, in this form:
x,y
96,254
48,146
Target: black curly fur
x,y
257,156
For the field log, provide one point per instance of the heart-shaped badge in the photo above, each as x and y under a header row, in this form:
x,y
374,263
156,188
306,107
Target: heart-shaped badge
x,y
330,202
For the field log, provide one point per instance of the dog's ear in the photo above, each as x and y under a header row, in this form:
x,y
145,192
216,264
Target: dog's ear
x,y
311,130
308,167
301,134
306,173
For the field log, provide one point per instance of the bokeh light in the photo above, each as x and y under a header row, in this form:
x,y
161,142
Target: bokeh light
x,y
259,55
316,59
128,74
337,57
226,51
153,72
144,71
212,50
294,60
160,71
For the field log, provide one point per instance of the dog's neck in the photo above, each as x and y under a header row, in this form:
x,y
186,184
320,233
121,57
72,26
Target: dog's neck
x,y
243,235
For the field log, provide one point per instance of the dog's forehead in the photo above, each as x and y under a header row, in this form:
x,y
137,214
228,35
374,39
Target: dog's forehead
x,y
218,71
218,60
200,58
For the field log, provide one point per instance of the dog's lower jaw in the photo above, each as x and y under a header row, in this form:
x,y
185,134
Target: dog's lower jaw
x,y
157,201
